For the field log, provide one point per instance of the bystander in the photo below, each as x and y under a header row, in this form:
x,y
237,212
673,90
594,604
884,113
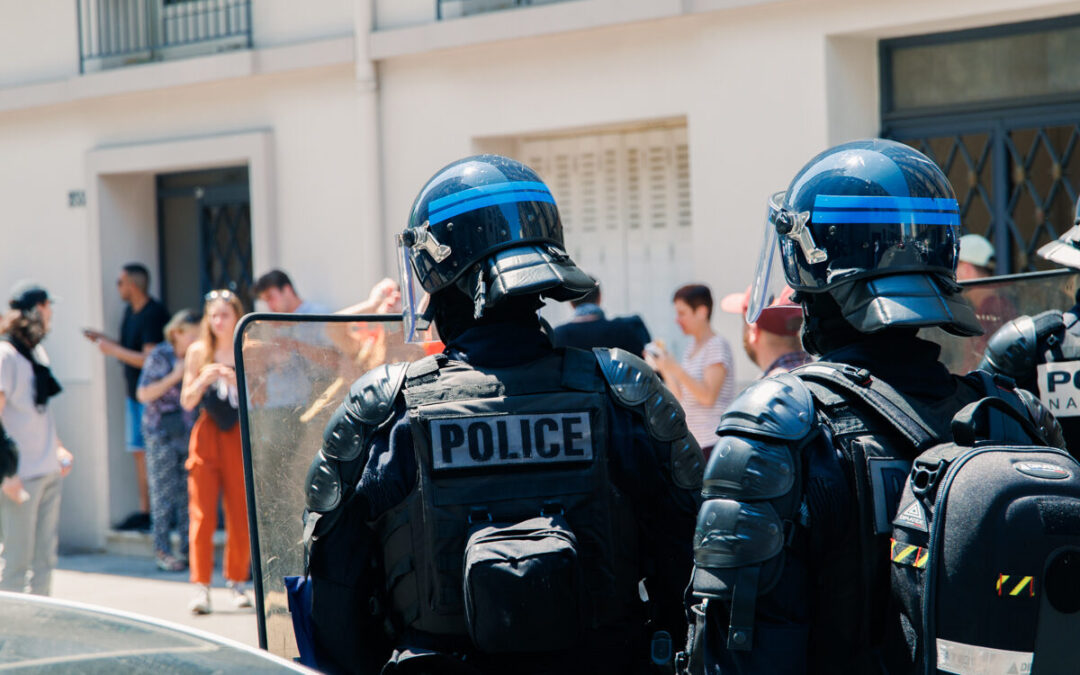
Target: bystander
x,y
704,381
30,504
772,342
591,328
141,329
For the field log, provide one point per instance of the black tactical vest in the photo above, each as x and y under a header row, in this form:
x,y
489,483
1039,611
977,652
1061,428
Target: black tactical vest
x,y
854,627
507,445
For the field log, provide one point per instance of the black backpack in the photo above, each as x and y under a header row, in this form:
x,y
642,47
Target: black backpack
x,y
985,547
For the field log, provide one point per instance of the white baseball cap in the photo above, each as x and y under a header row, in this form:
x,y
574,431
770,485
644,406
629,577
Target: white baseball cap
x,y
977,250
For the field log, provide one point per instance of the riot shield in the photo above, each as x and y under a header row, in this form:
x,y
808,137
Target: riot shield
x,y
998,300
293,371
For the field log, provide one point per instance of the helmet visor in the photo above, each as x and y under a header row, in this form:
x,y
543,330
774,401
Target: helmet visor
x,y
846,237
769,277
417,324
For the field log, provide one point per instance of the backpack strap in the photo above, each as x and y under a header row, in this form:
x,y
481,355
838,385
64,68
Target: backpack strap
x,y
878,395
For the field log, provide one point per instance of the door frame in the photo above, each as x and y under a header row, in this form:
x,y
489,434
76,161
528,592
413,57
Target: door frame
x,y
137,164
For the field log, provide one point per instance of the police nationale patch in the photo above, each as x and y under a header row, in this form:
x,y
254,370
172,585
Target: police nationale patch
x,y
1059,387
509,440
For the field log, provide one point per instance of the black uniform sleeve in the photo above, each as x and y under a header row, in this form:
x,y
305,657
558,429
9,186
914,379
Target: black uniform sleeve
x,y
665,513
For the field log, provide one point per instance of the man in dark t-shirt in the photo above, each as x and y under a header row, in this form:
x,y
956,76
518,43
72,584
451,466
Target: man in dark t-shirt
x,y
590,328
141,329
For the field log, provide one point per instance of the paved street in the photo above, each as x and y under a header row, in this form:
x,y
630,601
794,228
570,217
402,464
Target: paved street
x,y
134,584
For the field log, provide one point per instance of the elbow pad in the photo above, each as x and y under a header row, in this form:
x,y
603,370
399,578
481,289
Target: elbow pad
x,y
753,491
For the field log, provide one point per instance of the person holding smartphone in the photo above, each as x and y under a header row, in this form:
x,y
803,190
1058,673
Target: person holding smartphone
x,y
215,459
704,381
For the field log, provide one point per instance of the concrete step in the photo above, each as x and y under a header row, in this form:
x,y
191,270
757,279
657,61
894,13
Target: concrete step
x,y
141,544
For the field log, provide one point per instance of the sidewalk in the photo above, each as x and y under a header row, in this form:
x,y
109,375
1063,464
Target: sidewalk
x,y
134,584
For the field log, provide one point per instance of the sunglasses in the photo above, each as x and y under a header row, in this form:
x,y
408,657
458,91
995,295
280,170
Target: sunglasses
x,y
223,294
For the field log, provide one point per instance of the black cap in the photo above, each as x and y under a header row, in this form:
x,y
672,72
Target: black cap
x,y
27,295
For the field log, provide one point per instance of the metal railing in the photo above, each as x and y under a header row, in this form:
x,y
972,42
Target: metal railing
x,y
452,9
115,33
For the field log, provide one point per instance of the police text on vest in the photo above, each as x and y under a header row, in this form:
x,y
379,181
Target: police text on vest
x,y
500,440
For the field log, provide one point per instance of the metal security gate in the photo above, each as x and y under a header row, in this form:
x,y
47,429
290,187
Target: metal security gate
x,y
998,108
225,233
204,235
1016,176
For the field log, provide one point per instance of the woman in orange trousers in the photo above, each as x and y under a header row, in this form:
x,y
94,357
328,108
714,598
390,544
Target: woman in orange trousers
x,y
215,459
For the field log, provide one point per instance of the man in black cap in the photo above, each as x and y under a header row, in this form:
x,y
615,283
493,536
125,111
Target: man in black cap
x,y
30,504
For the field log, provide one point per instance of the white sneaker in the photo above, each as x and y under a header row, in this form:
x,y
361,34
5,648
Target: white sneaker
x,y
200,604
240,598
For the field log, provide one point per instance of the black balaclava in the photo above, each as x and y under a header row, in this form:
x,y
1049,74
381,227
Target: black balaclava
x,y
825,329
453,312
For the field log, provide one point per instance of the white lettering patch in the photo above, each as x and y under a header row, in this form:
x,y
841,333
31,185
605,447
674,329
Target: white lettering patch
x,y
504,440
957,657
1059,387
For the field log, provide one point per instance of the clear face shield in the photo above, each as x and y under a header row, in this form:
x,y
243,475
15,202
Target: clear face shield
x,y
415,301
769,279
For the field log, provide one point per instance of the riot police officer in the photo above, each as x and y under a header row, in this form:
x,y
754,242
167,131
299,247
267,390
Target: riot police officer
x,y
494,507
791,551
1042,352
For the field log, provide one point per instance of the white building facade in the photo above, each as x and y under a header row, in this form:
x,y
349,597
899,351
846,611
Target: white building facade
x,y
216,139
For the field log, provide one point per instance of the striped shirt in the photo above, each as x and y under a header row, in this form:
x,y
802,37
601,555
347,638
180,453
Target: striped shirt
x,y
703,420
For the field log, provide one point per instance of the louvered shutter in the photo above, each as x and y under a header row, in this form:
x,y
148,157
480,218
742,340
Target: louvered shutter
x,y
624,198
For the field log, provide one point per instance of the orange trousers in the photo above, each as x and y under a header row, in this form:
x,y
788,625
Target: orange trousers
x,y
215,467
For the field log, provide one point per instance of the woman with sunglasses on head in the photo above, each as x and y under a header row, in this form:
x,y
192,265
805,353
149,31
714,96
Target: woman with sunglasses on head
x,y
215,462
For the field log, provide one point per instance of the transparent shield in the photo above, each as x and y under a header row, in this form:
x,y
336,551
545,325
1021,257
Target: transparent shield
x,y
293,371
998,300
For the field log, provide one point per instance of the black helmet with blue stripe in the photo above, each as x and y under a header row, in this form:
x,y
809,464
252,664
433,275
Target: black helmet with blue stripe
x,y
488,225
876,225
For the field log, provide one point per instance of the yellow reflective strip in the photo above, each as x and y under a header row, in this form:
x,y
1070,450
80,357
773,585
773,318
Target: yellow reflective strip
x,y
921,558
1002,578
905,553
1020,586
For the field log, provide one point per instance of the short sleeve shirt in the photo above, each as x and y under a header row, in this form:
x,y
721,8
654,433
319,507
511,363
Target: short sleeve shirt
x,y
159,363
703,420
32,428
139,329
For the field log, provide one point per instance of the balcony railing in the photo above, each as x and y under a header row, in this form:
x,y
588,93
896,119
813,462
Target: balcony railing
x,y
452,9
115,33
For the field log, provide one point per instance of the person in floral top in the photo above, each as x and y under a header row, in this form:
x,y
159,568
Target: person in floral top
x,y
166,428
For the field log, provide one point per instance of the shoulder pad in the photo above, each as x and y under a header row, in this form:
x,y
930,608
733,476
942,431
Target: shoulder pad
x,y
634,385
749,468
369,405
1013,349
777,407
323,485
630,378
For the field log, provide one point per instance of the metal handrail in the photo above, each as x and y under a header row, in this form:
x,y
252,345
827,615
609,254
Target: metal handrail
x,y
118,32
473,7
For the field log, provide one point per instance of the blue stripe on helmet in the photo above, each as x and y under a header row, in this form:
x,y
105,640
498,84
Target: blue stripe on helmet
x,y
892,217
490,200
480,191
885,202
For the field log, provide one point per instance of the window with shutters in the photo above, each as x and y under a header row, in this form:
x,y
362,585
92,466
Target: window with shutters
x,y
624,199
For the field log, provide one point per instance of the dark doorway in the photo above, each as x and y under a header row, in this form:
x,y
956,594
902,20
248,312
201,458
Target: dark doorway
x,y
205,235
